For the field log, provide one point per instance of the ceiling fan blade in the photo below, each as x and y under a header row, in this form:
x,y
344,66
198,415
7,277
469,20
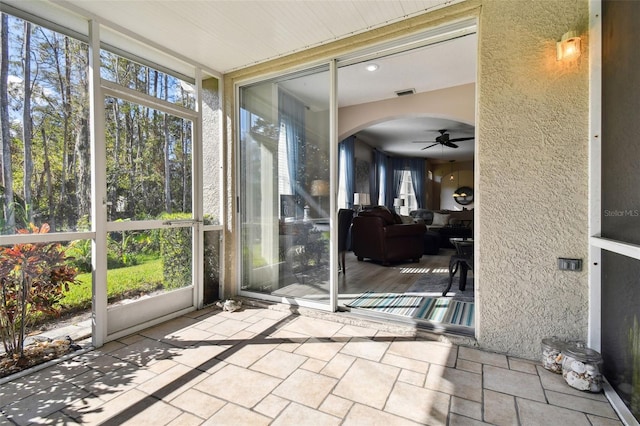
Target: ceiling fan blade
x,y
429,146
461,139
450,144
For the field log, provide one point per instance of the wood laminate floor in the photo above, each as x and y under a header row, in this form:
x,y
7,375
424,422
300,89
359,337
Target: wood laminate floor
x,y
366,276
397,278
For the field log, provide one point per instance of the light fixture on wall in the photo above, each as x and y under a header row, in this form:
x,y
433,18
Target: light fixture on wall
x,y
568,47
463,195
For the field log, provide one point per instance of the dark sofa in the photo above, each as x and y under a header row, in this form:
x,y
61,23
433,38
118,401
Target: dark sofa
x,y
449,223
380,235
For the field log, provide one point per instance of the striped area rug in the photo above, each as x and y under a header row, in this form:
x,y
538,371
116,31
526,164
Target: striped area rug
x,y
390,303
441,309
436,309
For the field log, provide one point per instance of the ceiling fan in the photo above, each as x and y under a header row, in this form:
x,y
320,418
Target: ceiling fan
x,y
444,140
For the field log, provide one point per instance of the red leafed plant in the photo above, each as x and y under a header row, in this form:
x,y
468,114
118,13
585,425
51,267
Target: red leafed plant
x,y
33,279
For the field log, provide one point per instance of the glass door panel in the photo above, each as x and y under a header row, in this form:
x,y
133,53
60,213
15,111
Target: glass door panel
x,y
284,187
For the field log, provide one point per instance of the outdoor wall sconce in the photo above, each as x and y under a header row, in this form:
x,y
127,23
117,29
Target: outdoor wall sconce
x,y
568,47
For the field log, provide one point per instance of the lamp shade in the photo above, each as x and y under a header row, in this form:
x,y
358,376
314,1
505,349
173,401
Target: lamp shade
x,y
319,188
361,199
398,202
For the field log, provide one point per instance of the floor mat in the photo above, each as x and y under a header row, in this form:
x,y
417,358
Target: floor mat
x,y
437,309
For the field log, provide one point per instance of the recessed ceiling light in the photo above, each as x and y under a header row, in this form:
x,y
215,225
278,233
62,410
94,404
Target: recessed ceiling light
x,y
372,67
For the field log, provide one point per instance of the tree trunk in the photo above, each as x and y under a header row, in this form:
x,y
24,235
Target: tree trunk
x,y
167,166
47,171
27,124
185,181
83,155
65,88
7,177
115,172
84,167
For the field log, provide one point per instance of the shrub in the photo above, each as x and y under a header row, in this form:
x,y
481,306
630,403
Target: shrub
x,y
33,279
175,250
80,255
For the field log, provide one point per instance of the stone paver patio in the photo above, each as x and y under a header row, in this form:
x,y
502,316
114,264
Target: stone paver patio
x,y
264,366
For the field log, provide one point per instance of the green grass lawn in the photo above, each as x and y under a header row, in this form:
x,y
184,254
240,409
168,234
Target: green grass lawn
x,y
121,283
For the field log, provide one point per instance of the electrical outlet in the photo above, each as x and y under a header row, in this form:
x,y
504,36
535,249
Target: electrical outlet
x,y
565,264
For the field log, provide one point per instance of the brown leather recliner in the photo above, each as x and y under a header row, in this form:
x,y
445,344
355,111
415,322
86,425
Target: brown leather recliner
x,y
380,235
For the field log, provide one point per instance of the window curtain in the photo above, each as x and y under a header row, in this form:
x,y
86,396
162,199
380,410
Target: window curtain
x,y
383,166
374,184
417,166
291,114
346,161
388,182
398,166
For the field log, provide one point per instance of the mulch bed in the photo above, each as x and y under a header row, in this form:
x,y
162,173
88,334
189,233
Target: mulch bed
x,y
35,354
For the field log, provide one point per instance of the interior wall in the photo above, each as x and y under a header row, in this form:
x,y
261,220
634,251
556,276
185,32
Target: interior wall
x,y
532,169
462,176
363,155
454,103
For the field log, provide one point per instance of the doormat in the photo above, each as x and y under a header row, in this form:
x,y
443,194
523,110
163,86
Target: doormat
x,y
436,309
390,303
447,311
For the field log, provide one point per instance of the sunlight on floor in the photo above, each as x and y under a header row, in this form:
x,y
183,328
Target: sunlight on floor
x,y
424,271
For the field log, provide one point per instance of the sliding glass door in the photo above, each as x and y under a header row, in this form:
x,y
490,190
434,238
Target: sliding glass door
x,y
284,187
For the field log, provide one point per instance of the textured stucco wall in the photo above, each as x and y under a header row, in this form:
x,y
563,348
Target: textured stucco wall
x,y
211,150
532,188
533,164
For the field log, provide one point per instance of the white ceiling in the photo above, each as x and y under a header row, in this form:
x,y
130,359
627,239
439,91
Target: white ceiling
x,y
224,35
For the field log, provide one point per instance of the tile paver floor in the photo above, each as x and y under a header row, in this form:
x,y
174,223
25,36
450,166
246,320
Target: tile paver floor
x,y
267,366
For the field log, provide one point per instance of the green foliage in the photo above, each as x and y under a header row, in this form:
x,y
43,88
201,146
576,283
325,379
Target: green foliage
x,y
126,282
79,252
33,279
124,248
176,251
